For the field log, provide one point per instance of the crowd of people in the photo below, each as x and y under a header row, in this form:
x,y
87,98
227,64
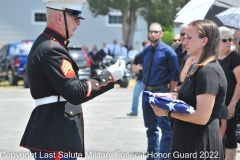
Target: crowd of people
x,y
201,67
114,50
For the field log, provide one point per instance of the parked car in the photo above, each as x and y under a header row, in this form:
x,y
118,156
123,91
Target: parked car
x,y
13,57
82,61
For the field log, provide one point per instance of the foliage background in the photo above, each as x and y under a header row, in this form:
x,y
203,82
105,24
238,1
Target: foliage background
x,y
161,11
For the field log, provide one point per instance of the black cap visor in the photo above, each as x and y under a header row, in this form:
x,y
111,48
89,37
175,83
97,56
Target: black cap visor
x,y
75,13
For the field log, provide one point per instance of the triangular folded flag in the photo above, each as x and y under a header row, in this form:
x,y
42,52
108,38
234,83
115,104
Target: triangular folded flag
x,y
168,104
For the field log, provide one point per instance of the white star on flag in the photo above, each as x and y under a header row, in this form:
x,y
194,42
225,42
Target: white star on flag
x,y
176,100
151,99
171,106
190,110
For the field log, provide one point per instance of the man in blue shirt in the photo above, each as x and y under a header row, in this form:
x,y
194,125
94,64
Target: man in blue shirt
x,y
160,74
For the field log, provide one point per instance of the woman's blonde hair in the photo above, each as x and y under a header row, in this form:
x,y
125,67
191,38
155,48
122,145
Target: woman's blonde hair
x,y
210,51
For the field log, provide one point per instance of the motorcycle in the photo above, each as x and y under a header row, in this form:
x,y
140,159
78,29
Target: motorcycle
x,y
108,61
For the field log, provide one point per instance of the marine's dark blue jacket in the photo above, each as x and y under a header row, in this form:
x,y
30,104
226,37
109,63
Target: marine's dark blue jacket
x,y
52,72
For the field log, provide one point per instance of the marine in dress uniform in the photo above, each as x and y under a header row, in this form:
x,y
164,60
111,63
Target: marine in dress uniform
x,y
56,123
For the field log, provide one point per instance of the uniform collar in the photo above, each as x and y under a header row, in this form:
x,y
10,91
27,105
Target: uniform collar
x,y
56,36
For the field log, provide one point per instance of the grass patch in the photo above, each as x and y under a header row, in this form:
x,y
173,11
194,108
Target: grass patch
x,y
5,84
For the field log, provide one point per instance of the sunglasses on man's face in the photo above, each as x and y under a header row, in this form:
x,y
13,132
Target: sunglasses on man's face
x,y
175,40
237,39
225,40
183,34
154,32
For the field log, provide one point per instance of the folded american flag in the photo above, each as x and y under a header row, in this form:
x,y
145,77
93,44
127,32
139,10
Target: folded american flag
x,y
168,104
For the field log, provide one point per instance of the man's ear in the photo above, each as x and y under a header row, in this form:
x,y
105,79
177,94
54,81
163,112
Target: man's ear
x,y
162,33
58,18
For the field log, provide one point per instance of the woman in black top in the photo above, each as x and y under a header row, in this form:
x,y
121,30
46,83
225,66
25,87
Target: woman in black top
x,y
197,135
230,62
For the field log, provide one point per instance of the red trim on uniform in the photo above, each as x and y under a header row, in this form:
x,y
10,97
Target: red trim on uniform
x,y
96,88
57,156
89,89
55,40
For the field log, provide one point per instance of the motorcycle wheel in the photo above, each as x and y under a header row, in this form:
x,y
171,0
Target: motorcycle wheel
x,y
124,83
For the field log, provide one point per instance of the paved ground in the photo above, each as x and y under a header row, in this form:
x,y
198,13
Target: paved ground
x,y
108,131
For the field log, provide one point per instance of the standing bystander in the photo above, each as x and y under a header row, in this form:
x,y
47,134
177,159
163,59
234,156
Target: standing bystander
x,y
176,40
230,62
132,53
104,52
114,48
181,50
128,45
122,51
139,86
160,74
236,40
94,57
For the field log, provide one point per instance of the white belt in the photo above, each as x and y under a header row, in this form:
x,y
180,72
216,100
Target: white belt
x,y
47,100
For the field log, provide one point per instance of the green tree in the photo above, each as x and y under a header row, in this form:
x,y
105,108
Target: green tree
x,y
128,8
162,11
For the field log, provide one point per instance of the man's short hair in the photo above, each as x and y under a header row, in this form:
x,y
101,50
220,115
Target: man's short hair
x,y
183,26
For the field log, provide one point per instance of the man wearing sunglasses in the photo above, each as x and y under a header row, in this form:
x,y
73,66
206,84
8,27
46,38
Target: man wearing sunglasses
x,y
181,50
160,74
176,40
55,128
236,40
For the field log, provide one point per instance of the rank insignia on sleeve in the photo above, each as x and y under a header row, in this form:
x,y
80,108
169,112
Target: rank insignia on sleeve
x,y
67,69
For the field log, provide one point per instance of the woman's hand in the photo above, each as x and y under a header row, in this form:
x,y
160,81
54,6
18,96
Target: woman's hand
x,y
231,110
173,95
177,88
158,111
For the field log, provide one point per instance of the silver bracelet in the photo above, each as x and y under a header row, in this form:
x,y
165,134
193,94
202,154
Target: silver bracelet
x,y
233,101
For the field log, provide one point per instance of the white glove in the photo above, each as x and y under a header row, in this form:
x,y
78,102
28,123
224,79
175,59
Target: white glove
x,y
117,69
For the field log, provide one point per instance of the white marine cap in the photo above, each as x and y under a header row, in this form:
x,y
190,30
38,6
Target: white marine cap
x,y
73,7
